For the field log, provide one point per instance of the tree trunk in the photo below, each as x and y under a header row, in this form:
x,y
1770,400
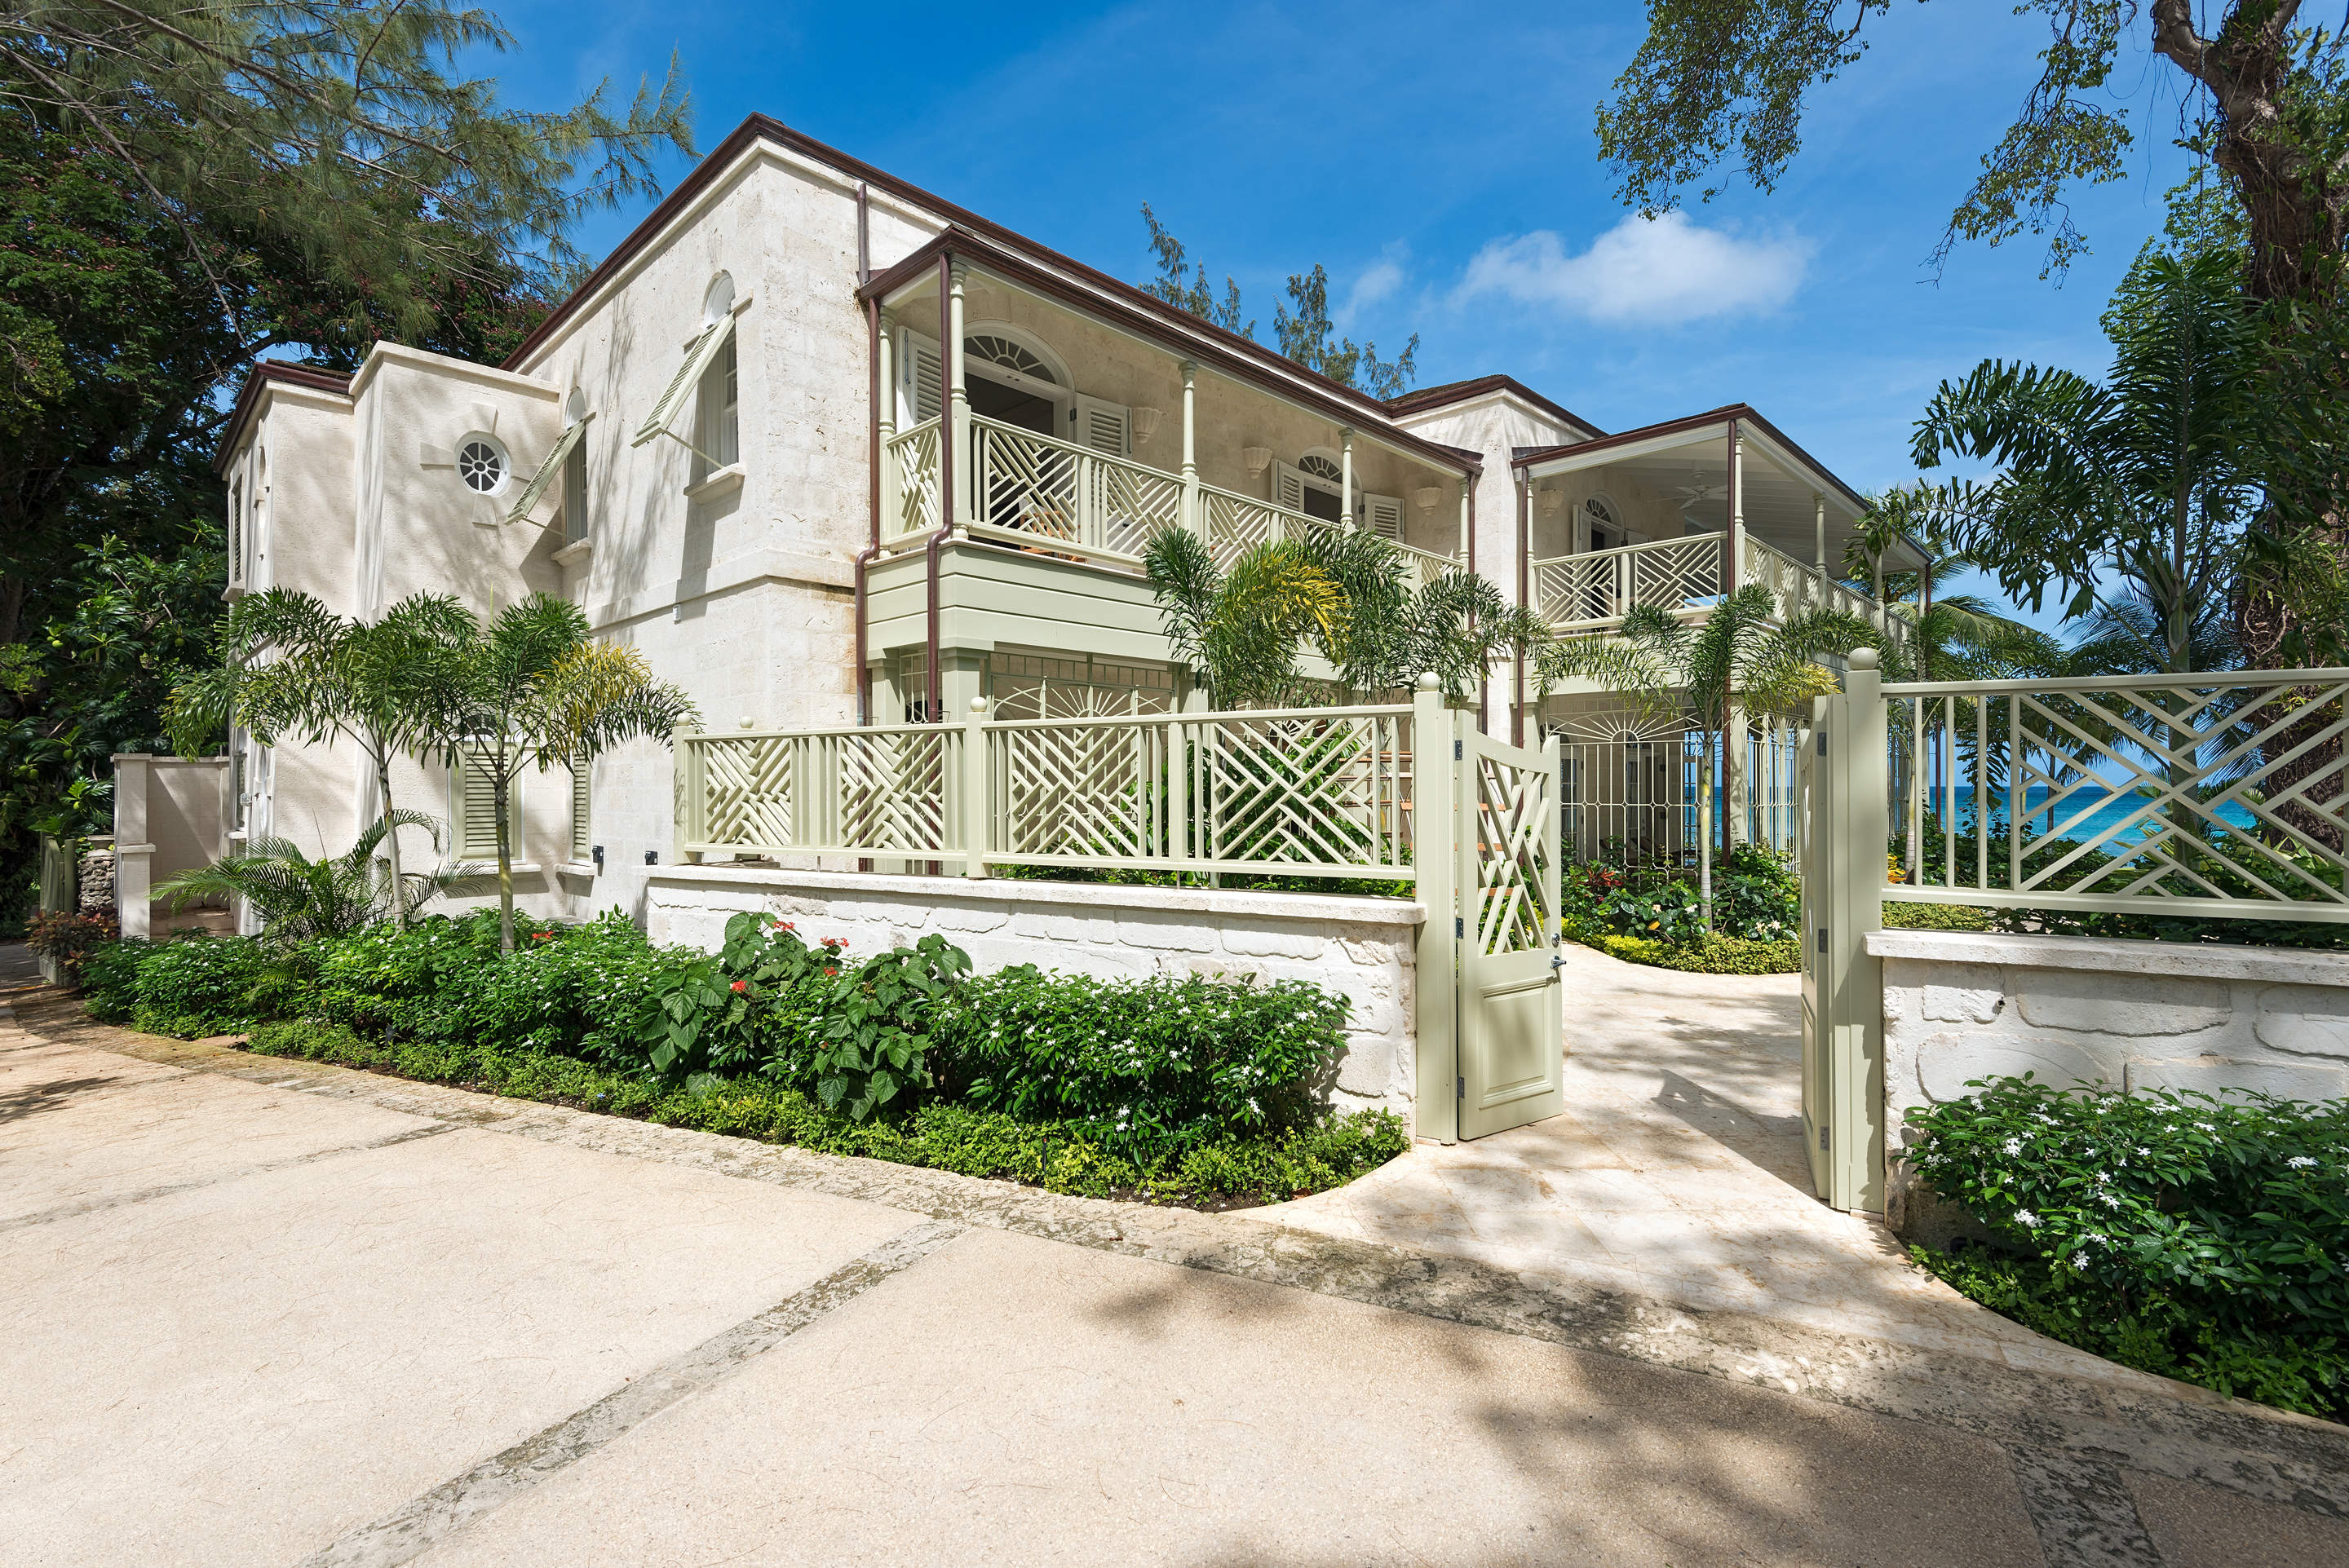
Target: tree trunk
x,y
391,841
499,789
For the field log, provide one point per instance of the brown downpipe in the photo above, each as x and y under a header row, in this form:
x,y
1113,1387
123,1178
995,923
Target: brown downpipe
x,y
1729,520
1484,682
947,346
1525,592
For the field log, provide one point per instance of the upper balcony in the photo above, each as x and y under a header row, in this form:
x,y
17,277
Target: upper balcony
x,y
1678,515
1076,418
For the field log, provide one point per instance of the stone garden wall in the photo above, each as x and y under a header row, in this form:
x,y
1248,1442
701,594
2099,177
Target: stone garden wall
x,y
1362,948
2133,1015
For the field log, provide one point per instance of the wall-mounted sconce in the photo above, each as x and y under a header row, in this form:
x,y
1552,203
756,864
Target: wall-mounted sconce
x,y
1551,499
1427,496
1258,460
1145,423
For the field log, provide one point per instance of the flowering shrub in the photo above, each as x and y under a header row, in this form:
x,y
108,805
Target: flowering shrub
x,y
1757,896
2217,1224
195,984
1141,1065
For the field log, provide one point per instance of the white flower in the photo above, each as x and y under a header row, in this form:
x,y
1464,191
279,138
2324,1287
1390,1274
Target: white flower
x,y
2301,1162
2024,1217
2110,1201
2080,1262
2014,1146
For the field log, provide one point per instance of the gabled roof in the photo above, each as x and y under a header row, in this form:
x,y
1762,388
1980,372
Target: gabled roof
x,y
1450,392
1743,413
249,396
1005,243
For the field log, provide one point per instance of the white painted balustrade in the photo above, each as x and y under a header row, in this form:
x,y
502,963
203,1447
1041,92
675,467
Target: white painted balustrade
x,y
1026,489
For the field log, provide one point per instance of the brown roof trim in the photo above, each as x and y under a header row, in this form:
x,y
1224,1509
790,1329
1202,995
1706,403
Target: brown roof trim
x,y
1743,413
250,396
1427,398
765,127
994,258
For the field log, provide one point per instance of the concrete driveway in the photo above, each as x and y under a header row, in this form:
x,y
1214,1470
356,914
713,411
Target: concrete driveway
x,y
253,1312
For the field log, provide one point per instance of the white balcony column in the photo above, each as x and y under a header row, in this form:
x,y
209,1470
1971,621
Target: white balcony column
x,y
958,390
1461,556
1819,536
1734,553
1346,483
887,423
1191,518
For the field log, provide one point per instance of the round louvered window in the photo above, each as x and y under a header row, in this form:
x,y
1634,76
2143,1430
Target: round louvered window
x,y
481,466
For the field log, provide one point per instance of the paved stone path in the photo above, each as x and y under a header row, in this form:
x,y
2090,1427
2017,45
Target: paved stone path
x,y
1677,1171
266,1312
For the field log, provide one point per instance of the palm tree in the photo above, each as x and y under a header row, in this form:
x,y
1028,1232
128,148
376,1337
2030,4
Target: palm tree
x,y
2144,480
291,666
1242,631
532,689
1735,658
299,898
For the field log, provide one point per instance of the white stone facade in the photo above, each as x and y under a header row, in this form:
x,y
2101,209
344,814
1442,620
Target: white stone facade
x,y
2135,1015
1360,948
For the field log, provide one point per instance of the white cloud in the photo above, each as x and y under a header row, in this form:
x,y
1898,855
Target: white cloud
x,y
1379,280
1642,272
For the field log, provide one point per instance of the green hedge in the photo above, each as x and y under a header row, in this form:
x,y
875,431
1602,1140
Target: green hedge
x,y
1144,1070
2198,1238
1706,955
942,1135
1934,917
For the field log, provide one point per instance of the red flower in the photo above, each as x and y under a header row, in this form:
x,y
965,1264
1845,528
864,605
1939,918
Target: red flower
x,y
785,926
543,936
831,971
741,985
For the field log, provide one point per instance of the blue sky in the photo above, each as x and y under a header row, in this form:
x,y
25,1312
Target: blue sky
x,y
1441,161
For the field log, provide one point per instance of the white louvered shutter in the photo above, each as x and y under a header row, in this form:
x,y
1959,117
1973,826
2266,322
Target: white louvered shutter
x,y
475,812
1104,426
918,372
1382,515
581,850
1287,488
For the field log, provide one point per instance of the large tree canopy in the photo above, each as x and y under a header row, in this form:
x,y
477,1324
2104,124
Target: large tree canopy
x,y
1718,88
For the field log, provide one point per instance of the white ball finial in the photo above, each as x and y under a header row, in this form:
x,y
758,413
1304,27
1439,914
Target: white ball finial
x,y
1863,658
1427,681
744,721
978,704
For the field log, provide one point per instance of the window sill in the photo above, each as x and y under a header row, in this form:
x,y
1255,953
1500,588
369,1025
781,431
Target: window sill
x,y
577,551
724,481
488,871
577,869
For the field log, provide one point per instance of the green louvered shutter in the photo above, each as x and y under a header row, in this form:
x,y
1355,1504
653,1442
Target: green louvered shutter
x,y
581,850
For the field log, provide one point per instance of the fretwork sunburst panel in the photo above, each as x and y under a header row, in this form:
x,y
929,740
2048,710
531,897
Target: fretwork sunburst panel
x,y
1515,891
2135,796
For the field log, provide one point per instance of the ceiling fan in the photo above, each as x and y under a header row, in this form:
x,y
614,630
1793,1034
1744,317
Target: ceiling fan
x,y
1696,492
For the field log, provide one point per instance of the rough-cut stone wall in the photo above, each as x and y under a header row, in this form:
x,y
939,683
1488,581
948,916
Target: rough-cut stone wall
x,y
1362,948
96,877
2132,1014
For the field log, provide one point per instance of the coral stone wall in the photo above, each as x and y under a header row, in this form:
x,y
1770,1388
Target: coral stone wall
x,y
1362,948
2131,1014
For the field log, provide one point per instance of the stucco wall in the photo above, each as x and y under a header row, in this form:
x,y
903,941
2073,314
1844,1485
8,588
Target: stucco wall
x,y
1360,948
2132,1014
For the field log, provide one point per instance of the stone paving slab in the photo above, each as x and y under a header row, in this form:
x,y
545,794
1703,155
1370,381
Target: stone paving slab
x,y
240,1371
1012,1400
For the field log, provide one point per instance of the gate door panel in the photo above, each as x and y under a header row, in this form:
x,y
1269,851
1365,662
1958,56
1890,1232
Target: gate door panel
x,y
1814,811
1512,1044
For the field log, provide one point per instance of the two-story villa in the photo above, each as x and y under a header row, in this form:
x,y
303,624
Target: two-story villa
x,y
829,448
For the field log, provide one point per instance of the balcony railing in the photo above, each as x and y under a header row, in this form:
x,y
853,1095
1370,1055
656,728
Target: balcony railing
x,y
1035,490
1594,591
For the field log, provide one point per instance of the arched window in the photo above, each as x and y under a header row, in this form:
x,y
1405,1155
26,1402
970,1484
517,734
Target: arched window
x,y
1006,352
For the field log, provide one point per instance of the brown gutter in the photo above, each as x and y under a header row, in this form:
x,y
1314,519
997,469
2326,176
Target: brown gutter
x,y
873,488
1342,406
1743,413
947,346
